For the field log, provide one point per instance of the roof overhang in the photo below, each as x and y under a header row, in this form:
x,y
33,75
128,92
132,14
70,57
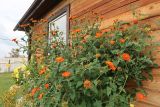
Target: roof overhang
x,y
37,10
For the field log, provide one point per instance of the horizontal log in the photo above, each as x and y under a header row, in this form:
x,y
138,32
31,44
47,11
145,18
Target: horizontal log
x,y
152,85
124,6
152,98
153,22
83,6
149,10
142,104
156,71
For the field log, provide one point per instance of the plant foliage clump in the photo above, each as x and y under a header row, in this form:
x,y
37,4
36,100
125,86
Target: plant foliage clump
x,y
94,69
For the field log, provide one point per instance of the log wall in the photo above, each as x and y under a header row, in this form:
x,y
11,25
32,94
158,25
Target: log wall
x,y
123,10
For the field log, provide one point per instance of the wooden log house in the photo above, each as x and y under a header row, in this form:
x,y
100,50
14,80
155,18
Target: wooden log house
x,y
59,11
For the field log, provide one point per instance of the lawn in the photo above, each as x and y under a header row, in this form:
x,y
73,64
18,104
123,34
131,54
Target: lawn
x,y
5,82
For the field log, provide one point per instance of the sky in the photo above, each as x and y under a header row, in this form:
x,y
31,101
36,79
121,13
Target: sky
x,y
11,12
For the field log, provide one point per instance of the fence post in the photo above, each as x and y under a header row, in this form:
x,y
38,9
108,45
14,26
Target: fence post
x,y
9,63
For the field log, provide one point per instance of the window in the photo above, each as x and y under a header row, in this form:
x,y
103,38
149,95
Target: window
x,y
59,22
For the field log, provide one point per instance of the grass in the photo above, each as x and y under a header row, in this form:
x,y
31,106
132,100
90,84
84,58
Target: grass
x,y
6,81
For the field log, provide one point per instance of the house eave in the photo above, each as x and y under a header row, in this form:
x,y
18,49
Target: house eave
x,y
36,11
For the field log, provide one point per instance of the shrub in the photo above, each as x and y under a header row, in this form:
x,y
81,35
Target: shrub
x,y
94,69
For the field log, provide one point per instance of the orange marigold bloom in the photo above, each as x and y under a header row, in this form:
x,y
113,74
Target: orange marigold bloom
x,y
54,45
43,20
140,96
59,59
112,42
87,84
122,40
101,17
38,89
135,21
98,35
98,55
126,56
77,30
80,47
54,33
66,74
34,90
83,41
111,65
43,70
40,96
46,86
104,30
34,21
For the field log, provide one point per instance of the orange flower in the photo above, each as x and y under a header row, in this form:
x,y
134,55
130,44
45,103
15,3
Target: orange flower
x,y
112,42
46,86
101,17
54,45
122,40
140,96
77,30
126,56
43,70
14,39
135,21
104,30
111,35
40,96
83,41
43,20
34,90
98,35
34,21
80,47
98,55
38,89
66,74
87,84
54,33
59,59
111,65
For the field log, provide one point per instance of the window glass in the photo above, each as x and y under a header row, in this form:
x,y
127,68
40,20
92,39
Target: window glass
x,y
60,24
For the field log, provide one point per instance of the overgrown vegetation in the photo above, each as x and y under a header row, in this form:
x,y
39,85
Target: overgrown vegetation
x,y
5,82
94,69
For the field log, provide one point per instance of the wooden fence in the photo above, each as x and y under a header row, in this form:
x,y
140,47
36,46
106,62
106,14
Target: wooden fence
x,y
8,64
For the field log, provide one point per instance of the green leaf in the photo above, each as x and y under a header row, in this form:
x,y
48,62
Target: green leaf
x,y
98,103
73,95
79,83
95,82
109,90
155,65
83,104
94,89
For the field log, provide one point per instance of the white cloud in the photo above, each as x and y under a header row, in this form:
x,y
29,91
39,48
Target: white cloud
x,y
10,13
